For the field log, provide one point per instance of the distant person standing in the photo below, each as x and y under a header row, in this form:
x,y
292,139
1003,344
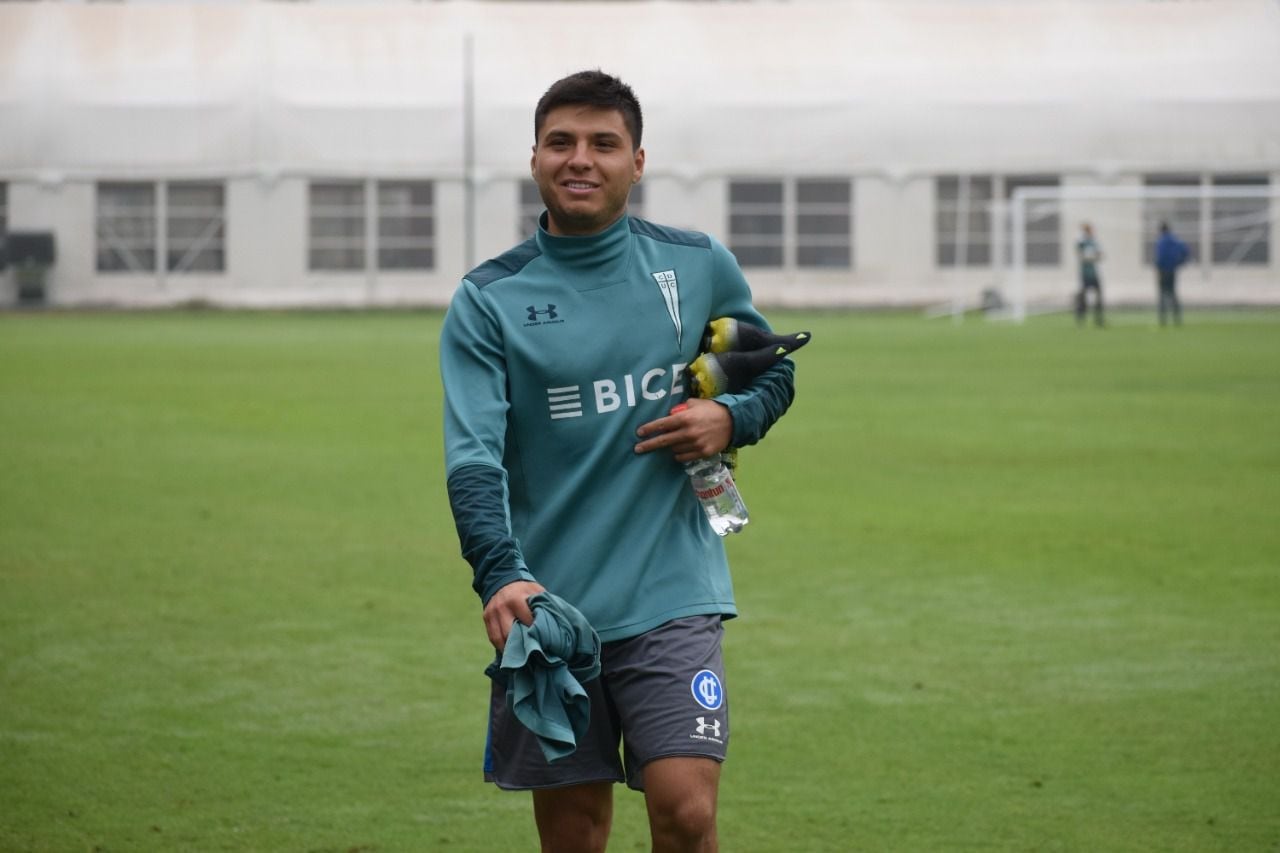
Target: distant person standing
x,y
1090,255
1171,253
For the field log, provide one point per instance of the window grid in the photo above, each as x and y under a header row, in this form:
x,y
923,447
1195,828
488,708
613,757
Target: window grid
x,y
1043,229
126,227
195,231
1241,226
963,220
802,223
336,238
406,225
757,214
530,209
823,223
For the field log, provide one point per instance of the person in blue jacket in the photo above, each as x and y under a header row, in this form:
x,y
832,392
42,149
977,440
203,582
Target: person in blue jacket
x,y
1171,253
561,361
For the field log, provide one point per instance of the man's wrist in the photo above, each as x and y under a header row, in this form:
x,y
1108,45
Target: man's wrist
x,y
497,580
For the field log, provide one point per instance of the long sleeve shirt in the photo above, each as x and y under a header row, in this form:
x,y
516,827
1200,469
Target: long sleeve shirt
x,y
551,356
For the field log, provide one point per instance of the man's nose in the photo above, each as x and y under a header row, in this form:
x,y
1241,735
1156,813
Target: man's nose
x,y
581,157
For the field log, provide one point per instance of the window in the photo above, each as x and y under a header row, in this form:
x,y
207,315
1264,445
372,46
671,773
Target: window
x,y
397,231
195,227
1181,212
126,227
963,220
805,223
966,224
756,217
406,225
531,206
1241,226
129,233
824,219
1042,235
530,209
336,235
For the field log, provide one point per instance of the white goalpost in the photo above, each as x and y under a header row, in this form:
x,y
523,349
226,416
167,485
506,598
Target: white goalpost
x,y
1231,229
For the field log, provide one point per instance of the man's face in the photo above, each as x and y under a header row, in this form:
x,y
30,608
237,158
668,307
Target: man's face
x,y
584,165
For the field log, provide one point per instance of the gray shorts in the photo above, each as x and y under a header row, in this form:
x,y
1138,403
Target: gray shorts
x,y
660,694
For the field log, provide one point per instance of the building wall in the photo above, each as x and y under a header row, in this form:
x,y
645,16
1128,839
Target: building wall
x,y
893,246
888,96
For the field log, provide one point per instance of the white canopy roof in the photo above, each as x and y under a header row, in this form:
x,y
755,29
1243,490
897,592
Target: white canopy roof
x,y
170,90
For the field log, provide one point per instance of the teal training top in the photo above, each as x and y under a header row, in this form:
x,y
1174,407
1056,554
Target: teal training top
x,y
551,355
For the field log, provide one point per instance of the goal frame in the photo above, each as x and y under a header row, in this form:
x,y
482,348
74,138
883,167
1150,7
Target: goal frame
x,y
1011,218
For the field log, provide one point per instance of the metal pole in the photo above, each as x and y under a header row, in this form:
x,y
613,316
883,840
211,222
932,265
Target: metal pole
x,y
1018,227
469,149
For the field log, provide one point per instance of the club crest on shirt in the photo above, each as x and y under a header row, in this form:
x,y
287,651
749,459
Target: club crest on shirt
x,y
670,288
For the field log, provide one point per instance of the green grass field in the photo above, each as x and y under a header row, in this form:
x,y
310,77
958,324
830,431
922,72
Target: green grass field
x,y
1006,588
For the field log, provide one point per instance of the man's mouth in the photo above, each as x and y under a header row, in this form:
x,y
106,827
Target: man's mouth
x,y
579,186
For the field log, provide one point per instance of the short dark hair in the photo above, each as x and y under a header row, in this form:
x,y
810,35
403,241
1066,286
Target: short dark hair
x,y
591,89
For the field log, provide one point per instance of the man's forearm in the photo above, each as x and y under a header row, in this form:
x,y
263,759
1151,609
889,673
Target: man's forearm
x,y
477,497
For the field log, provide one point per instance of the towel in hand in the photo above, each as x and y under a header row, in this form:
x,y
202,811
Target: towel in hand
x,y
544,666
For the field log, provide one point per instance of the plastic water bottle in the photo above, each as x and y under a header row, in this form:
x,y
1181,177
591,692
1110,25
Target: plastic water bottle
x,y
713,484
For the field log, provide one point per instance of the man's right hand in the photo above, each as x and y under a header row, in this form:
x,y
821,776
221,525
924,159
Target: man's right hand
x,y
509,604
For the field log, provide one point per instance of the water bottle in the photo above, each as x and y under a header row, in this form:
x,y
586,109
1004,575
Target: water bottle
x,y
713,484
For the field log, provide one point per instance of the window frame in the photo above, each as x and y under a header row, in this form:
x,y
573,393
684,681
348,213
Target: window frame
x,y
987,235
830,210
208,243
1043,227
133,253
771,225
973,218
415,251
1224,250
347,242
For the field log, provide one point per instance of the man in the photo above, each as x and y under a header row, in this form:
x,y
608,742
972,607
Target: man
x,y
561,360
1171,253
1090,255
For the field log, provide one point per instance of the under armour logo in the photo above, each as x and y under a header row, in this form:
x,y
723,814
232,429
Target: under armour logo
x,y
704,726
550,311
707,691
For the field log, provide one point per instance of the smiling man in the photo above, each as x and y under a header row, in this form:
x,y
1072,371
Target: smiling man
x,y
561,361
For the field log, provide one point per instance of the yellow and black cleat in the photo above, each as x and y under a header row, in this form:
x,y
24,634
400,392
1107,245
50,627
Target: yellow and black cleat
x,y
716,373
732,354
725,334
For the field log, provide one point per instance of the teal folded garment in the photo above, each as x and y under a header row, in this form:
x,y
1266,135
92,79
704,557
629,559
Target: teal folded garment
x,y
544,666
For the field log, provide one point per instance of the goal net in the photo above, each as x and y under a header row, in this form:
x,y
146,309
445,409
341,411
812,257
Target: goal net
x,y
1229,225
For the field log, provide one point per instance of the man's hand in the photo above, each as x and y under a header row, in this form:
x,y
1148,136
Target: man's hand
x,y
700,429
509,604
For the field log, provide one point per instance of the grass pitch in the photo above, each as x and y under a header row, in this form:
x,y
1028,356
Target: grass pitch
x,y
1005,588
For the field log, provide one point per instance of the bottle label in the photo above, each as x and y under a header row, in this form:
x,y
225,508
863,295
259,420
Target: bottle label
x,y
713,492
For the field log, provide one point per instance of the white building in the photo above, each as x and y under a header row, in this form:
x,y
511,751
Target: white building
x,y
849,153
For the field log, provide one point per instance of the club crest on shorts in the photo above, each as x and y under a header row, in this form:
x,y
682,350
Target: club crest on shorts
x,y
707,690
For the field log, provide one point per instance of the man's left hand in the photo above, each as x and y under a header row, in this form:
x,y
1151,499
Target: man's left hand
x,y
700,429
